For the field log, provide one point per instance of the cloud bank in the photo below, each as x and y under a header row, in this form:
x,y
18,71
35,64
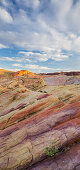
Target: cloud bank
x,y
40,30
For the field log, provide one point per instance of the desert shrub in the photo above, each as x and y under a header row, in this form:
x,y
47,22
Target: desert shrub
x,y
51,151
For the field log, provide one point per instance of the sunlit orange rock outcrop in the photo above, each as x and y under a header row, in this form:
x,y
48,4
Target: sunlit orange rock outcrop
x,y
24,73
2,71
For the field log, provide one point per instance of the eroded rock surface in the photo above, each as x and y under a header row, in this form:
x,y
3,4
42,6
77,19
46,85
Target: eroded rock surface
x,y
32,120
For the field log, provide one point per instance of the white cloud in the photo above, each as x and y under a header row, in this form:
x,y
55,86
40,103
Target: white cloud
x,y
5,16
3,46
17,65
11,59
6,59
35,68
4,2
39,69
25,53
51,54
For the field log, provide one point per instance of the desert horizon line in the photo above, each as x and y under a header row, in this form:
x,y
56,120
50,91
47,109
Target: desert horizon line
x,y
13,70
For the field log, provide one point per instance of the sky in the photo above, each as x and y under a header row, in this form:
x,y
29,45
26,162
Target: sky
x,y
40,35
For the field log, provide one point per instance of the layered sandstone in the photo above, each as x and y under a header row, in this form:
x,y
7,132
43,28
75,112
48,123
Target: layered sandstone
x,y
32,119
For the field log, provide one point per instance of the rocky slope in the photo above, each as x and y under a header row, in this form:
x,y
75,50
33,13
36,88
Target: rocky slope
x,y
61,80
35,117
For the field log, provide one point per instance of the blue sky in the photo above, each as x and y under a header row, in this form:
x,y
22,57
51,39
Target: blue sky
x,y
40,35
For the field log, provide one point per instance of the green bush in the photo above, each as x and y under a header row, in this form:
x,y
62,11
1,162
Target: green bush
x,y
51,151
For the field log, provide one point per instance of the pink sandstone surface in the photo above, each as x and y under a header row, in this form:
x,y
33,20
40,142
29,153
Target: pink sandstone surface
x,y
36,118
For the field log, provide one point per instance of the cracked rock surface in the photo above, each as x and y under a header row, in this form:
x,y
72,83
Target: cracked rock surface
x,y
32,120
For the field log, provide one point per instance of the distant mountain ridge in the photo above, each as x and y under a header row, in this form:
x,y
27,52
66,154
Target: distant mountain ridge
x,y
69,73
29,73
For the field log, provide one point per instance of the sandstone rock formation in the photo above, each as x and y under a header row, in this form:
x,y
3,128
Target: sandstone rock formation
x,y
23,72
32,120
2,71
